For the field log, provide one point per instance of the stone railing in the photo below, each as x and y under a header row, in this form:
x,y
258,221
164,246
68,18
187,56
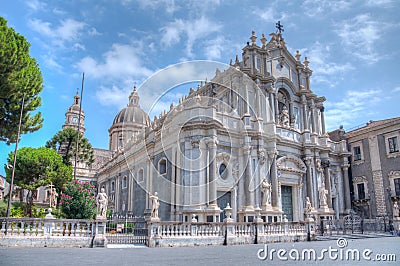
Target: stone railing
x,y
38,227
165,234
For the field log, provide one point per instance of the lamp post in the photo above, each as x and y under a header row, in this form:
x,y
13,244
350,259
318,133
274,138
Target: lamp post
x,y
13,167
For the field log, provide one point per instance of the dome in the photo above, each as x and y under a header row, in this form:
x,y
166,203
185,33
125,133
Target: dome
x,y
132,114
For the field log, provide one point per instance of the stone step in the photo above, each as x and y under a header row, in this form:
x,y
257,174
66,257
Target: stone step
x,y
354,236
126,246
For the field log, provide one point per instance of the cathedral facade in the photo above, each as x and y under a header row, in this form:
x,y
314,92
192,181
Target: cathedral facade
x,y
252,139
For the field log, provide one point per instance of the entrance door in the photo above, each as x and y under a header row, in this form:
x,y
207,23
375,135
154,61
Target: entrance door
x,y
287,205
223,199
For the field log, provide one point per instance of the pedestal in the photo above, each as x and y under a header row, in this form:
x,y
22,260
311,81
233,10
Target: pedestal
x,y
100,240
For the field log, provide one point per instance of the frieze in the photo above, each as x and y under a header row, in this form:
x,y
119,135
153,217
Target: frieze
x,y
291,164
359,179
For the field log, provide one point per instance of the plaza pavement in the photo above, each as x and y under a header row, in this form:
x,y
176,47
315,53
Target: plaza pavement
x,y
211,255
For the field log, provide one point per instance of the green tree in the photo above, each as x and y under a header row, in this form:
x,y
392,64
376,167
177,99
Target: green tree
x,y
64,142
36,167
19,75
78,201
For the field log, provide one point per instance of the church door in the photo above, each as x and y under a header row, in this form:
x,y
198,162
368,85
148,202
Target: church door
x,y
287,202
223,199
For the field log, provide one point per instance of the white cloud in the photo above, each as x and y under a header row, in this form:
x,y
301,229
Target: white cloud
x,y
380,3
314,8
270,14
113,96
354,105
69,30
120,62
359,35
35,5
322,64
397,89
93,32
166,5
214,48
194,30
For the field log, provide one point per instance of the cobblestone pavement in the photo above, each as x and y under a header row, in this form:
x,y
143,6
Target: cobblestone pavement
x,y
277,254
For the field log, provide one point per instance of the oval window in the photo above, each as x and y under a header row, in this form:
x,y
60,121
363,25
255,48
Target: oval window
x,y
223,172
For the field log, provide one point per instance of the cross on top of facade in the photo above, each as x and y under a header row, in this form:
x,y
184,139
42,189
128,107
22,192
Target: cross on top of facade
x,y
279,26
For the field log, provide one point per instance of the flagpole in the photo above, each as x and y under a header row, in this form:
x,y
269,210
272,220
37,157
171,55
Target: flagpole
x,y
79,126
14,163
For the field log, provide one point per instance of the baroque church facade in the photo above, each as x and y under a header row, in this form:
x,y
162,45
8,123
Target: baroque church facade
x,y
252,139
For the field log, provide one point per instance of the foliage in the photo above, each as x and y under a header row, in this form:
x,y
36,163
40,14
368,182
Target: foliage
x,y
38,212
64,142
19,75
78,201
17,209
3,208
36,167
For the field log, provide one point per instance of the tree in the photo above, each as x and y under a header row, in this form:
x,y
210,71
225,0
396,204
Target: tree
x,y
64,142
36,167
19,76
78,201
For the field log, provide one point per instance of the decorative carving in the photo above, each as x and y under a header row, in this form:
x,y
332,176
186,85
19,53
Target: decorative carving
x,y
291,164
261,156
359,179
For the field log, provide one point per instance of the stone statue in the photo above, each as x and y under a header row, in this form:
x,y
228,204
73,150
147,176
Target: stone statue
x,y
308,208
285,116
266,190
395,210
322,197
102,202
154,205
53,197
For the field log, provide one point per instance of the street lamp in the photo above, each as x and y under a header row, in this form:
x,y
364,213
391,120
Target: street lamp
x,y
13,166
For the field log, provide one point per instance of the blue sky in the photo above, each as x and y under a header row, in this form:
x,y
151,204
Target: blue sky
x,y
352,46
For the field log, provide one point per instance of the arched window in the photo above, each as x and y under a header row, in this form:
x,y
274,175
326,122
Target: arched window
x,y
223,171
140,176
125,181
162,166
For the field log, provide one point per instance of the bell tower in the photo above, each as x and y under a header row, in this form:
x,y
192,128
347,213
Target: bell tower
x,y
73,114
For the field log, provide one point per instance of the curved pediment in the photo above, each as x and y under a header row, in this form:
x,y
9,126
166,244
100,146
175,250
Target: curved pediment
x,y
291,164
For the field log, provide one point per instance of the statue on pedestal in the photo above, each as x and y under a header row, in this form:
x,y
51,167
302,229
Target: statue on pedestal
x,y
53,197
266,190
102,202
284,116
395,210
322,197
155,204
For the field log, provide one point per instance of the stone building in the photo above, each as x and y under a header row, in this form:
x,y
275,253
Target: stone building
x,y
252,137
375,167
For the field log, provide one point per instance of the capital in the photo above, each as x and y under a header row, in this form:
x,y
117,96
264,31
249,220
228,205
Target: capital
x,y
325,163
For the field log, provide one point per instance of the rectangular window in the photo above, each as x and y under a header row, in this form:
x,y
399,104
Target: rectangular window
x,y
361,191
397,186
393,144
357,153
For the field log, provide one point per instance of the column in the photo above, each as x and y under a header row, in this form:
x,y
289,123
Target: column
x,y
248,177
346,186
274,182
305,120
312,126
212,147
271,104
276,108
325,165
322,109
291,114
309,180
